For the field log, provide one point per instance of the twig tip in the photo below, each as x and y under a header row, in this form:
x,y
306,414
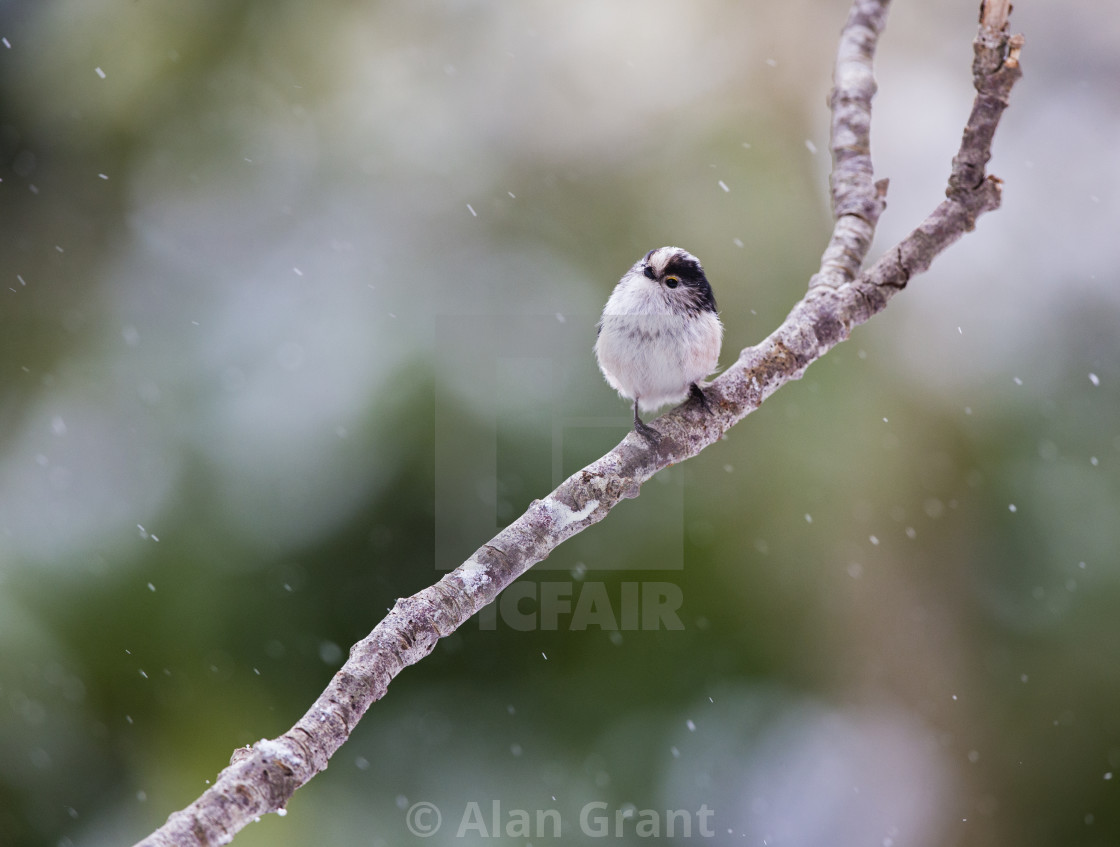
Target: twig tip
x,y
994,14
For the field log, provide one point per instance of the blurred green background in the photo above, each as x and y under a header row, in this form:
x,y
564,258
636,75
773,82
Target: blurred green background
x,y
296,308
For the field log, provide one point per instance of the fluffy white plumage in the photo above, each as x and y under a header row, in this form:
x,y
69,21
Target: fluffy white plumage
x,y
660,333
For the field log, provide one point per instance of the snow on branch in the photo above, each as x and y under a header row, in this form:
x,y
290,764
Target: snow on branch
x,y
263,777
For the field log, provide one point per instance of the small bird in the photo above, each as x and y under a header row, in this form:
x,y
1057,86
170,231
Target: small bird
x,y
660,333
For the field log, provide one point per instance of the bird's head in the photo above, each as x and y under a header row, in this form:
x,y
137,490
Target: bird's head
x,y
679,277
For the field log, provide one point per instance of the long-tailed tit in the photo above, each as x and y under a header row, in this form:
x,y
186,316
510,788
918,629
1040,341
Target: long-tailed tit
x,y
660,333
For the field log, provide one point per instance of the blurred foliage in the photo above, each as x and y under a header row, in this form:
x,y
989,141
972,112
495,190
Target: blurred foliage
x,y
298,305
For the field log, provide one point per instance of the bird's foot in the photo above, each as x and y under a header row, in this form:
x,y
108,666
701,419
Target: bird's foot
x,y
696,395
646,431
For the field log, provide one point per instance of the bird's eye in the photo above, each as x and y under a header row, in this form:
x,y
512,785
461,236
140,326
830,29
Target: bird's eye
x,y
648,271
672,281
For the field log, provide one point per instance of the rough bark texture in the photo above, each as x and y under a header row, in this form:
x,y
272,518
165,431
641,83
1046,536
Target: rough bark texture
x,y
263,777
856,202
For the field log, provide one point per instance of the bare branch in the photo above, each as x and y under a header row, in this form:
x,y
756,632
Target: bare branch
x,y
994,14
262,778
856,203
